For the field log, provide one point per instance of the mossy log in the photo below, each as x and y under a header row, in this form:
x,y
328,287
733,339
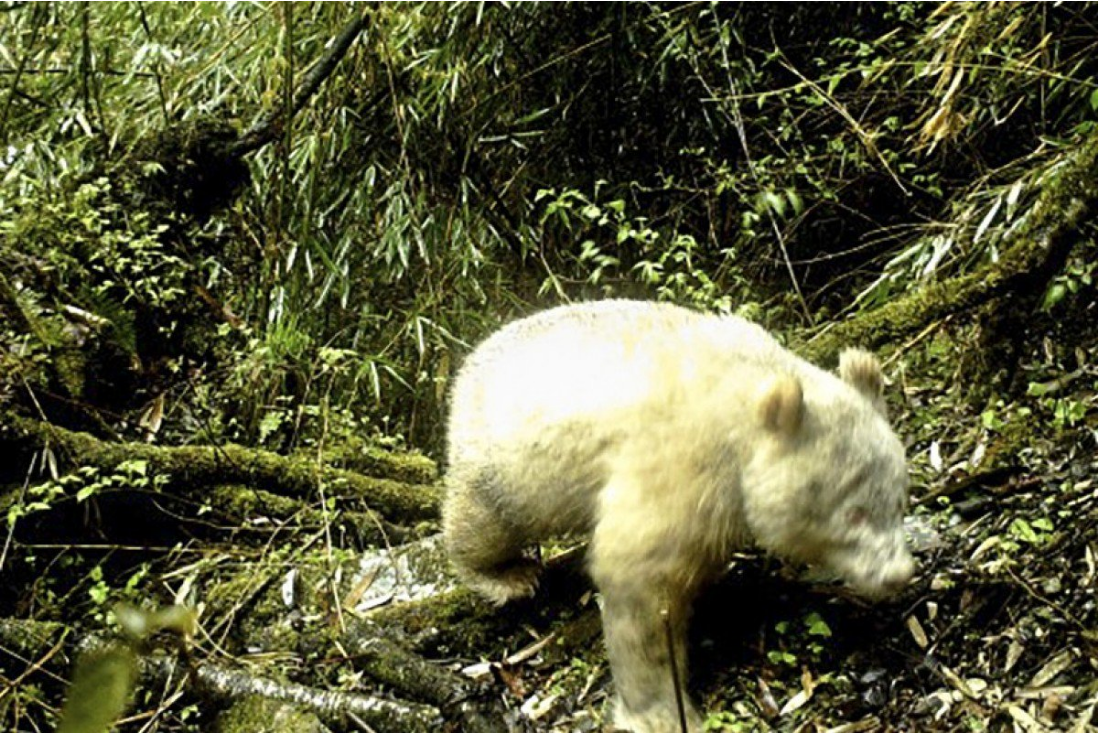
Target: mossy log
x,y
409,674
358,455
258,714
193,470
238,505
1032,252
428,693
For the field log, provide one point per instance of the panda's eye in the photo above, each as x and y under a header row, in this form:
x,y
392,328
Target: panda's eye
x,y
857,516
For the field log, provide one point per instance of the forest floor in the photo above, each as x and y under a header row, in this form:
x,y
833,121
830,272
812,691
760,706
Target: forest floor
x,y
999,630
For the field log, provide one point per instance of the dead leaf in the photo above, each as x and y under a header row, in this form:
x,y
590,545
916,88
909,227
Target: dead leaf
x,y
935,456
766,700
151,418
351,599
1024,719
1014,653
477,671
1053,667
957,683
795,703
536,707
514,683
870,723
917,632
1051,708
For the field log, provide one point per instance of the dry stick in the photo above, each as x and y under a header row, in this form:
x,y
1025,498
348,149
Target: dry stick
x,y
18,502
911,344
675,683
1028,588
38,665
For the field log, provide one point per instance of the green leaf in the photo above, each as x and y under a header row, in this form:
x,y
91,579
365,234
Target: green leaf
x,y
816,625
99,593
1094,100
270,423
134,467
1036,389
794,200
87,491
780,657
775,202
1053,296
1022,529
591,211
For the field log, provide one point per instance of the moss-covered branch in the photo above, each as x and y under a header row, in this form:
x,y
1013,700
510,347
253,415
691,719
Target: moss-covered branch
x,y
411,675
195,469
1032,252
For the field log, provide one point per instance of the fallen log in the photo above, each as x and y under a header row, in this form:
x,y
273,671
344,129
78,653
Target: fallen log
x,y
191,471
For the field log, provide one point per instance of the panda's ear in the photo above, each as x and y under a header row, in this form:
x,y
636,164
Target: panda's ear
x,y
861,370
781,407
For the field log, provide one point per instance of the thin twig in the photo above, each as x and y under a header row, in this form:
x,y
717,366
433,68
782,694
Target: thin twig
x,y
741,134
860,132
675,682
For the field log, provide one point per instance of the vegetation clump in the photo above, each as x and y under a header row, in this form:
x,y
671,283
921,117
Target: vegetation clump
x,y
244,249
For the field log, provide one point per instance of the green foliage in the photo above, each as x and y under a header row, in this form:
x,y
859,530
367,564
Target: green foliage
x,y
779,656
804,639
1075,277
816,626
98,287
616,252
467,162
1064,411
83,484
991,419
1036,532
726,721
278,394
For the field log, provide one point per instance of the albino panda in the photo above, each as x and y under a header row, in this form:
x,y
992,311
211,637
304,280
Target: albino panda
x,y
672,438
